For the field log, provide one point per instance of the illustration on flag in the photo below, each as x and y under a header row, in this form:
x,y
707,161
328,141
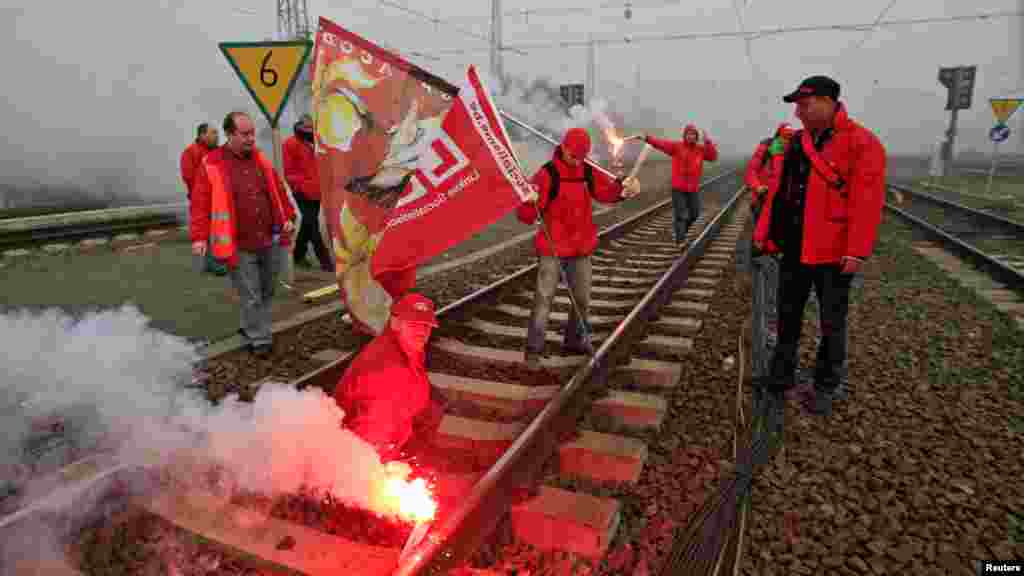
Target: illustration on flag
x,y
467,178
372,111
409,169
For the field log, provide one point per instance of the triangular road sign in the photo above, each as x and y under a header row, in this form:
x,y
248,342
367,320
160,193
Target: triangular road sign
x,y
268,71
1003,108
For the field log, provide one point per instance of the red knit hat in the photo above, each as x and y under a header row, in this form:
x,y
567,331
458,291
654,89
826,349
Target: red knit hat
x,y
576,142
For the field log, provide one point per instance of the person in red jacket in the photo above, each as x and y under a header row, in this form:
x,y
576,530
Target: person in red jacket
x,y
823,217
762,174
303,176
386,388
765,165
206,140
688,158
565,187
240,210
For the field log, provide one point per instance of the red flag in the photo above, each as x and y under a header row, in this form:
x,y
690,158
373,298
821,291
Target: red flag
x,y
371,108
466,178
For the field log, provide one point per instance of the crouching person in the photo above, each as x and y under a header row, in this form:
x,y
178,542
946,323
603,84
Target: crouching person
x,y
565,187
385,387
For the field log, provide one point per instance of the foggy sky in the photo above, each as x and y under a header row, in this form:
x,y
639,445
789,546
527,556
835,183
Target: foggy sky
x,y
97,97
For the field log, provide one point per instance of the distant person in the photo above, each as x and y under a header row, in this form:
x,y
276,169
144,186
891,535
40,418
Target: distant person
x,y
240,207
564,188
206,140
824,220
386,388
688,158
765,166
303,176
762,174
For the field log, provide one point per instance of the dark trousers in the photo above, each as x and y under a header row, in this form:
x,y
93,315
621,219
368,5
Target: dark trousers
x,y
832,289
309,232
685,211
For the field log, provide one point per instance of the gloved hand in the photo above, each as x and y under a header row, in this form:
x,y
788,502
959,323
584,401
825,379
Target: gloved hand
x,y
533,195
630,187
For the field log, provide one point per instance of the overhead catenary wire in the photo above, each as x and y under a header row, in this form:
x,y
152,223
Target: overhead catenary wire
x,y
881,15
438,22
733,34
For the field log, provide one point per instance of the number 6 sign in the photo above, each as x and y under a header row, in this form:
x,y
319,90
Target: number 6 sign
x,y
268,71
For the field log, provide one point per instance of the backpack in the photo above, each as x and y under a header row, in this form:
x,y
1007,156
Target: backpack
x,y
556,179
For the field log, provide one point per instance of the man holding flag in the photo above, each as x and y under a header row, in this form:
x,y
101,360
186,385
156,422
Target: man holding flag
x,y
565,187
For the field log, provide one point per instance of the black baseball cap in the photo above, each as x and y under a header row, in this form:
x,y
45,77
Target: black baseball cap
x,y
814,86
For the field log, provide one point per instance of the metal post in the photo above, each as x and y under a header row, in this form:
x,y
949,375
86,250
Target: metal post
x,y
289,269
948,147
590,89
496,69
992,170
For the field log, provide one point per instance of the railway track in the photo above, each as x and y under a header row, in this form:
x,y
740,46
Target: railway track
x,y
513,431
88,225
989,242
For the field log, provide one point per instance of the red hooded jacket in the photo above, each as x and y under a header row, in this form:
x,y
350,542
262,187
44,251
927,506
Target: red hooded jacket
x,y
300,168
761,172
382,391
687,159
570,217
190,160
838,221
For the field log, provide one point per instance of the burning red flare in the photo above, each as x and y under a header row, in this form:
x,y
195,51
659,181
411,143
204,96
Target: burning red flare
x,y
396,495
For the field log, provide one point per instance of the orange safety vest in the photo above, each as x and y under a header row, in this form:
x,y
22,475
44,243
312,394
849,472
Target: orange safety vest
x,y
222,207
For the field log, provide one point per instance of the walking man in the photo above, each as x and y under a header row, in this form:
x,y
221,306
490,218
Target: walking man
x,y
303,176
824,218
565,187
241,208
688,158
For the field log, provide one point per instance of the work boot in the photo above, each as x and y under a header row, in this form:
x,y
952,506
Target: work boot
x,y
819,401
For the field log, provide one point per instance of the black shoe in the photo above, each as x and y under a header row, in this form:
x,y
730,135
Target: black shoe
x,y
261,350
819,401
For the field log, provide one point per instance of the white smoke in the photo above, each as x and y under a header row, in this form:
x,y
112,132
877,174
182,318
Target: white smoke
x,y
539,103
121,384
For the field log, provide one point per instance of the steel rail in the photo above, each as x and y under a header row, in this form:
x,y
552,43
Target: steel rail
x,y
998,270
459,534
1016,227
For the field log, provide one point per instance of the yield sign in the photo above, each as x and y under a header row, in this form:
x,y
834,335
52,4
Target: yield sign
x,y
268,71
1003,108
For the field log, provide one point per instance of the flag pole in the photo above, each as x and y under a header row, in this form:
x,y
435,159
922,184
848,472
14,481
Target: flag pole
x,y
551,140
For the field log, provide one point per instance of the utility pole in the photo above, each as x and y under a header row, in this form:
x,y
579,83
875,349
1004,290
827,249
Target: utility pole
x,y
591,86
293,24
496,69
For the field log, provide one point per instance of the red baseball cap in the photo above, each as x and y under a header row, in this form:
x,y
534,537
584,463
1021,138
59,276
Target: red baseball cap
x,y
415,308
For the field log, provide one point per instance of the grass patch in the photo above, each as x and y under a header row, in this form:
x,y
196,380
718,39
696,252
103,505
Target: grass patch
x,y
1006,197
1000,333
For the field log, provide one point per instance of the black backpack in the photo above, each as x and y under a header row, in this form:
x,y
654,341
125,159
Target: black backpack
x,y
556,180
